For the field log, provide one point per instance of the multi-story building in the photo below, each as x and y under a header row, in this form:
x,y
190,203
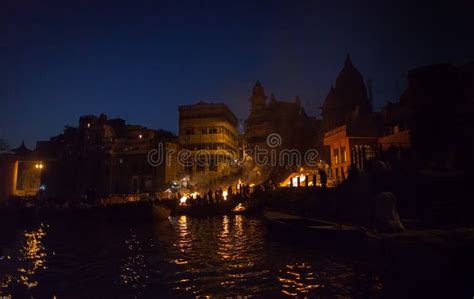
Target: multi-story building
x,y
350,146
209,131
105,156
414,131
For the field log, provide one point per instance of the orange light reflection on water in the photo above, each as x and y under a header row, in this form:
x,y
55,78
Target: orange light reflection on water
x,y
34,256
297,279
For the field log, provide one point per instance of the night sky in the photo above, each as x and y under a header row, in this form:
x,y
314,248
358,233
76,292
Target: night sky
x,y
139,61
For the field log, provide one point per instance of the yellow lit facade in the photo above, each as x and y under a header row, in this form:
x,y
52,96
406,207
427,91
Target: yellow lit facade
x,y
209,132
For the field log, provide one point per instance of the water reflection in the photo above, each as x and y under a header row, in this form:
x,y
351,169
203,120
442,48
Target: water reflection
x,y
29,259
183,257
133,266
298,279
213,254
33,255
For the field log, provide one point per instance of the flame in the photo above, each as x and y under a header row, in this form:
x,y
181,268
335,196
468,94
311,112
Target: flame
x,y
239,208
224,194
294,181
186,196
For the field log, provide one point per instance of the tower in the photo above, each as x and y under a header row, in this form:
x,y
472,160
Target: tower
x,y
258,99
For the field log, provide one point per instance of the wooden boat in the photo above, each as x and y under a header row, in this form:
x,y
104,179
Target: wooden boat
x,y
161,211
313,231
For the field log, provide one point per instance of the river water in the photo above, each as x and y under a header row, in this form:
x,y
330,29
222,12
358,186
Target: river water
x,y
80,256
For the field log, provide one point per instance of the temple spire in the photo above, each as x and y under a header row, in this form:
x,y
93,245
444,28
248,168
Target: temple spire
x,y
272,98
258,90
348,60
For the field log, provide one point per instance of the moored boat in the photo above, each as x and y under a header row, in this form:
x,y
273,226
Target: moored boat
x,y
314,231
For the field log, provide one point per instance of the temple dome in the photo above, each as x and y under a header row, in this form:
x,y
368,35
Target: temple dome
x,y
350,88
331,101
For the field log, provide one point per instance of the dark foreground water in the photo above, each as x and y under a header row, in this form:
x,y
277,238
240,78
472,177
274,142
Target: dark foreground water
x,y
80,256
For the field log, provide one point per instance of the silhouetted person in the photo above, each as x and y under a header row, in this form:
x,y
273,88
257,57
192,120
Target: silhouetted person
x,y
198,200
323,178
209,195
353,171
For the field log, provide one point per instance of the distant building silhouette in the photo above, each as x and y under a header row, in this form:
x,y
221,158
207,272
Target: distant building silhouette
x,y
347,100
105,156
430,127
436,109
288,119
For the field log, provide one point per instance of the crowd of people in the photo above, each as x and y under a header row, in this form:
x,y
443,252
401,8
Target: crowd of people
x,y
241,193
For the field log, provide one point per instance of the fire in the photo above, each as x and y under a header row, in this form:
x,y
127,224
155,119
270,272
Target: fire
x,y
185,197
294,181
224,194
239,208
238,184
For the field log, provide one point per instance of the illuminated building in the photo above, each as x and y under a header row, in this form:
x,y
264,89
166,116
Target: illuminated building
x,y
349,125
209,132
349,146
21,173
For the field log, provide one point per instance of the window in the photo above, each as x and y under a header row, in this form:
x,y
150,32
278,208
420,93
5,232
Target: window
x,y
369,152
343,154
336,156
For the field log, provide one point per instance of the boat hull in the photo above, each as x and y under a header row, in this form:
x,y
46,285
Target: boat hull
x,y
314,233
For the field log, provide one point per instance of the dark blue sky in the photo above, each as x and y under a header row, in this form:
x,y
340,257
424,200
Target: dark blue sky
x,y
140,60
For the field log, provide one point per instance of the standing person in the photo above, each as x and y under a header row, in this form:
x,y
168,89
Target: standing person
x,y
209,194
323,178
230,193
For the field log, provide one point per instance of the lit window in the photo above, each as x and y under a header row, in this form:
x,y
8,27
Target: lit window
x,y
336,156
